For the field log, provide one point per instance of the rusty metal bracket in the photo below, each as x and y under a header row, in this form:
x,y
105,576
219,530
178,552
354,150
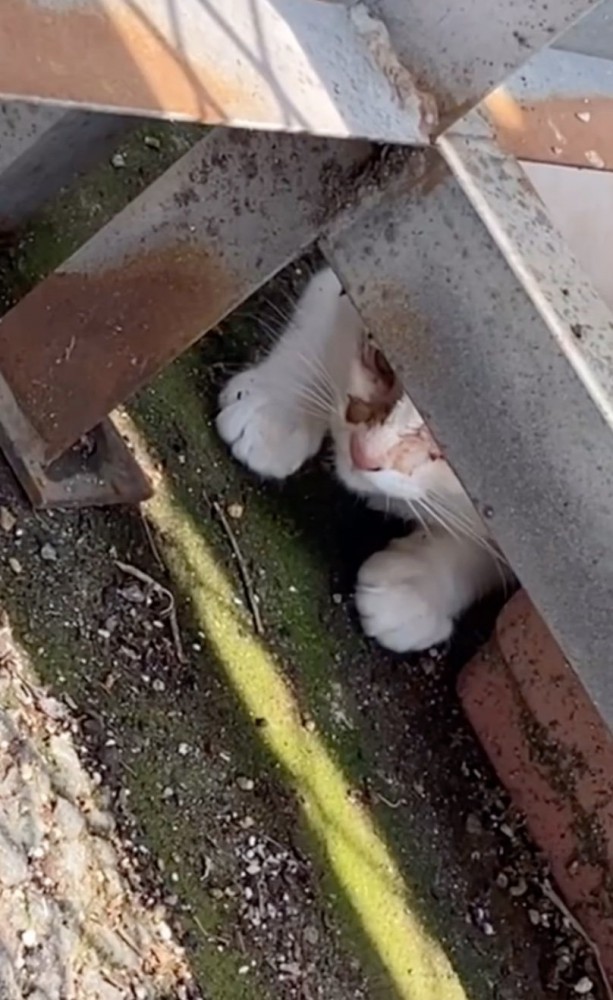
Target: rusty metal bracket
x,y
219,223
99,469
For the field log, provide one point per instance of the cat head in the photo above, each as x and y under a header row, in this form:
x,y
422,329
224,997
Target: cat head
x,y
383,449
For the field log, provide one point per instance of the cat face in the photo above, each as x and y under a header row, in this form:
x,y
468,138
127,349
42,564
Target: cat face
x,y
383,448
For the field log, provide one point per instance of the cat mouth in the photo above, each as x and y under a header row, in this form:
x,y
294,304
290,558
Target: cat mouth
x,y
361,461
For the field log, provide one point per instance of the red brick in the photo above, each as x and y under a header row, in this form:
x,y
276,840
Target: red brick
x,y
554,754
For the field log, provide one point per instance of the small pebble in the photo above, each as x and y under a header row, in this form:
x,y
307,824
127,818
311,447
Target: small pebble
x,y
519,889
7,519
28,938
236,511
583,116
473,825
118,161
48,553
133,593
428,666
15,565
245,784
311,935
583,986
183,749
153,142
164,931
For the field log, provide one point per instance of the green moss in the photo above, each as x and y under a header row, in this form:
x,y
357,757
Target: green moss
x,y
353,847
81,210
293,589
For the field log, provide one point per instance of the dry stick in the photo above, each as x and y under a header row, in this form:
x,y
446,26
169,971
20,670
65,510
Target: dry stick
x,y
154,549
558,902
252,597
170,612
388,802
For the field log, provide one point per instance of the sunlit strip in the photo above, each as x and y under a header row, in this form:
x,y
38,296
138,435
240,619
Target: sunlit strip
x,y
360,861
504,110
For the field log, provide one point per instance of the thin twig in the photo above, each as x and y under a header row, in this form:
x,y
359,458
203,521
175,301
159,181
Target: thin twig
x,y
558,902
170,612
199,925
154,549
252,597
128,940
388,802
111,980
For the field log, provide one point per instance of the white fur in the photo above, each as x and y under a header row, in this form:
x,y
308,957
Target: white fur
x,y
275,415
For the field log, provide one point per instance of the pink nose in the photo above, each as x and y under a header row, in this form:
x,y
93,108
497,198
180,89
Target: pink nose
x,y
359,456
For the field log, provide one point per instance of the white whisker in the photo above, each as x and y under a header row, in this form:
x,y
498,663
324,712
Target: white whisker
x,y
285,317
319,370
306,392
466,526
438,516
416,514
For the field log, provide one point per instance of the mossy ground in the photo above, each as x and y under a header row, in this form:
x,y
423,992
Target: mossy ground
x,y
361,764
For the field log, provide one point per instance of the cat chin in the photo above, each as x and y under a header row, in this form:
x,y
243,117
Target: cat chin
x,y
389,490
380,490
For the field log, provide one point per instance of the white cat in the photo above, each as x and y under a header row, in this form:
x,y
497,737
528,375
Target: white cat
x,y
325,375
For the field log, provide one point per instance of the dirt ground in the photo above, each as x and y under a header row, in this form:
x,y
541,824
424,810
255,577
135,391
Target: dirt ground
x,y
304,815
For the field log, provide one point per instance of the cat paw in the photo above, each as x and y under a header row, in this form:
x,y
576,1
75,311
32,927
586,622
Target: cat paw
x,y
268,437
394,601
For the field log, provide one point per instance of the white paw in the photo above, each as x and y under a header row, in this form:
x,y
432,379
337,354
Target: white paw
x,y
264,434
397,603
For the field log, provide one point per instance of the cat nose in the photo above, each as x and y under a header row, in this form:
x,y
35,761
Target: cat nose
x,y
359,456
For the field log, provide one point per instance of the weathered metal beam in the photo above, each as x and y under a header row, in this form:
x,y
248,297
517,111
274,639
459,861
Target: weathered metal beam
x,y
98,470
44,148
592,35
506,370
460,51
580,204
293,65
557,109
194,245
515,216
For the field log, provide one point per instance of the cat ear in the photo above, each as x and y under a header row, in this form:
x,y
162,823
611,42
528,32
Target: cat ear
x,y
376,363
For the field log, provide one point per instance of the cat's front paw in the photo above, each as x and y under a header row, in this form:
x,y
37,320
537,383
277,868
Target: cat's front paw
x,y
396,604
263,433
